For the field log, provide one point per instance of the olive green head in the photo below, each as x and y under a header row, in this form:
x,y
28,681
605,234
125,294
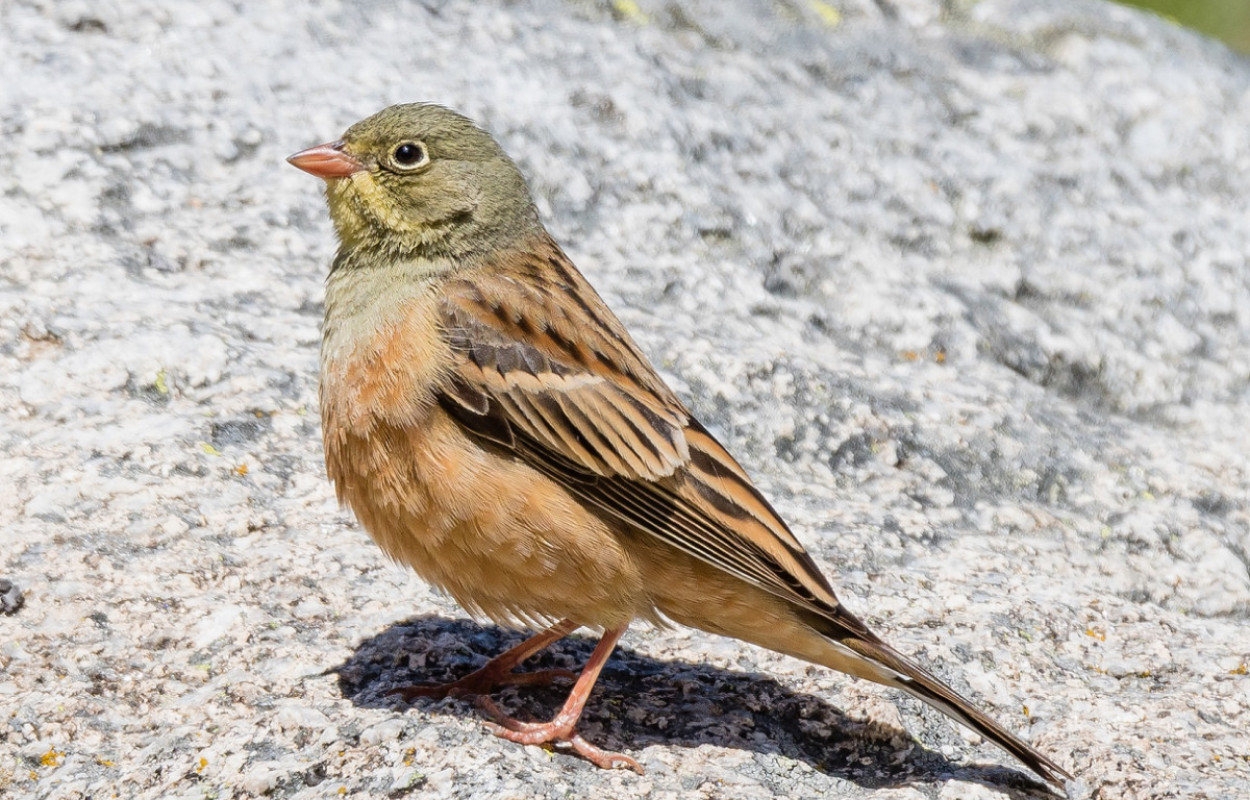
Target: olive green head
x,y
421,180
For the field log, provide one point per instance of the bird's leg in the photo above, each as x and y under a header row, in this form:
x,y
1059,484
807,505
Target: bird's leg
x,y
561,727
498,671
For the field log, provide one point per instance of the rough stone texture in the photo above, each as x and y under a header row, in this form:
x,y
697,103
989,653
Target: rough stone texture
x,y
964,284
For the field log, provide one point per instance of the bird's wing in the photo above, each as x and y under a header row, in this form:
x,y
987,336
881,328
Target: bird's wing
x,y
545,371
550,372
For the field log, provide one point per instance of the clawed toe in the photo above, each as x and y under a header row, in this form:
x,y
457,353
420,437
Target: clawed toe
x,y
546,734
539,677
560,730
604,759
500,721
556,732
436,691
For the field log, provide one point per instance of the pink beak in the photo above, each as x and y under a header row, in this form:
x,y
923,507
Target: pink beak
x,y
326,161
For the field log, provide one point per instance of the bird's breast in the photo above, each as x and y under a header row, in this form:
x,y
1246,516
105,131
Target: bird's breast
x,y
382,352
502,538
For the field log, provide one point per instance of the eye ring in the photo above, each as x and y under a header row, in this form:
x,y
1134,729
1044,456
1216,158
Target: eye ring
x,y
409,155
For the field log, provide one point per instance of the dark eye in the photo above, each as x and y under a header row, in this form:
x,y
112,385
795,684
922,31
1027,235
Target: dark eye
x,y
409,154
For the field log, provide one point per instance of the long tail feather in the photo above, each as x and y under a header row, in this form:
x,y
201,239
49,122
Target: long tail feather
x,y
923,686
858,651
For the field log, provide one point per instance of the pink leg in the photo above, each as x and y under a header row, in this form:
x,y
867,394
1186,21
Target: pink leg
x,y
561,727
498,671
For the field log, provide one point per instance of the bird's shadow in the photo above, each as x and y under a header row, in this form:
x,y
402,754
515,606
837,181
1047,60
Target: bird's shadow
x,y
639,701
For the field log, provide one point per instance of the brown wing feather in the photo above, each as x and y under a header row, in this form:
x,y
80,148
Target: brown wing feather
x,y
546,371
576,393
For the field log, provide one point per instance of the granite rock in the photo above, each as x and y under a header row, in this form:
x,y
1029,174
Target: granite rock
x,y
964,285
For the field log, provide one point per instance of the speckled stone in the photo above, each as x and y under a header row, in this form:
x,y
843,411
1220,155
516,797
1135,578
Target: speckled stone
x,y
964,285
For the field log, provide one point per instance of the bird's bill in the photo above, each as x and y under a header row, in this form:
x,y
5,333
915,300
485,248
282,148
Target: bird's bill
x,y
326,161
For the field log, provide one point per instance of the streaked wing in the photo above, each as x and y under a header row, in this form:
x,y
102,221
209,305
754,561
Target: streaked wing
x,y
546,371
560,374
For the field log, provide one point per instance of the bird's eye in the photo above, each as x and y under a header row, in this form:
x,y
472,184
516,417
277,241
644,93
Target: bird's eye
x,y
409,155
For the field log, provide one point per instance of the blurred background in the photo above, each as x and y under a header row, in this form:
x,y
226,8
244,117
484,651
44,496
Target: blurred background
x,y
1227,20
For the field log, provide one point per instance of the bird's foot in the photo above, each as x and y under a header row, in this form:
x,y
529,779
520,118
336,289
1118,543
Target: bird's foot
x,y
499,670
559,730
482,682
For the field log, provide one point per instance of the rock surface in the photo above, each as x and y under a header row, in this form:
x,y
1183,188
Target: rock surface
x,y
963,284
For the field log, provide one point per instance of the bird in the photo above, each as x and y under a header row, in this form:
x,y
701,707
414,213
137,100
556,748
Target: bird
x,y
494,427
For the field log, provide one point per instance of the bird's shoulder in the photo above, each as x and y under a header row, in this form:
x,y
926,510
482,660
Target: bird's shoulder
x,y
534,300
536,350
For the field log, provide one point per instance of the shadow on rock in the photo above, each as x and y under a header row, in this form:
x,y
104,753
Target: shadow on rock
x,y
639,701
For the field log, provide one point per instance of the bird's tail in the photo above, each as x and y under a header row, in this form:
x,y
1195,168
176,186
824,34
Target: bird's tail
x,y
866,656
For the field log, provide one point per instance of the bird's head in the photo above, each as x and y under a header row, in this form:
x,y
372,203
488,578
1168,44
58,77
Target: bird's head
x,y
420,180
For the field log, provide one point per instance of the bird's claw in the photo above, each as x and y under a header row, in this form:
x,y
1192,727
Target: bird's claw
x,y
557,731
